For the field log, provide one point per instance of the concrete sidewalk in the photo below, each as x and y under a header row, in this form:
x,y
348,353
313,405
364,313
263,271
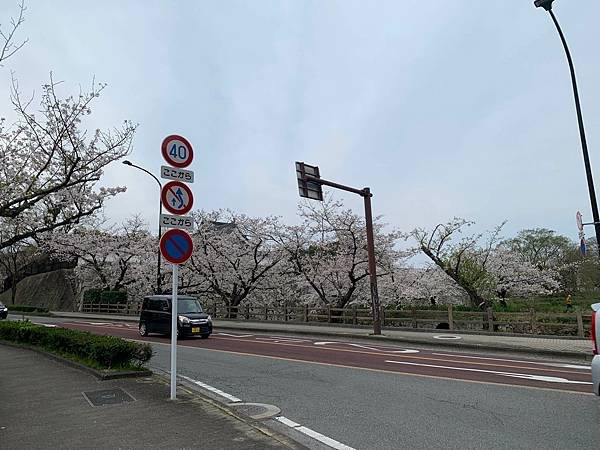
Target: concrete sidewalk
x,y
580,349
46,404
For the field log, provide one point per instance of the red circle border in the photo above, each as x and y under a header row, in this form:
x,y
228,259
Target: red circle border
x,y
165,153
163,197
163,248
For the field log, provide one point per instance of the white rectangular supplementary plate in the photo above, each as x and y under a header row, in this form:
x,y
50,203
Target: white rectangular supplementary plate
x,y
173,173
172,221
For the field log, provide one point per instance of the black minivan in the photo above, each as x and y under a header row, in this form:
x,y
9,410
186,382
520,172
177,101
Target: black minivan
x,y
155,316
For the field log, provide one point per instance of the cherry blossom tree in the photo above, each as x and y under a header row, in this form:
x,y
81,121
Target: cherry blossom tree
x,y
513,272
8,43
51,166
465,260
233,255
109,258
328,251
418,285
481,269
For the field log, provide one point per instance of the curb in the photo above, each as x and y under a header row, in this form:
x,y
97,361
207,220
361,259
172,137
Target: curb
x,y
101,375
224,406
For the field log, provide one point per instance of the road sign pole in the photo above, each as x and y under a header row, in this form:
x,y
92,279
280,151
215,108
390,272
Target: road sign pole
x,y
174,333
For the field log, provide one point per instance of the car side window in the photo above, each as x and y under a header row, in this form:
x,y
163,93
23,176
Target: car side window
x,y
164,305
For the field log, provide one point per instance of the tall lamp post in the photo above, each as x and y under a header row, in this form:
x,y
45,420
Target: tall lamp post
x,y
547,5
158,277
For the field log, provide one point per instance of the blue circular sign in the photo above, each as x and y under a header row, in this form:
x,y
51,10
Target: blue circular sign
x,y
176,246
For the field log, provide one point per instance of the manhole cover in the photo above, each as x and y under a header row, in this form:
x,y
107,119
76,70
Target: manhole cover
x,y
258,411
107,397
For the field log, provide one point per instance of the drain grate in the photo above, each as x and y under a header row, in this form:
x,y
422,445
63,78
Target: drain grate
x,y
259,411
108,397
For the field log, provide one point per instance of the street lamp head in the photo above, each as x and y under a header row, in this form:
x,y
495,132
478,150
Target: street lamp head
x,y
127,163
546,4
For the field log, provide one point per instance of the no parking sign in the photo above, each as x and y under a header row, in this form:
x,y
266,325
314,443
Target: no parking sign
x,y
176,246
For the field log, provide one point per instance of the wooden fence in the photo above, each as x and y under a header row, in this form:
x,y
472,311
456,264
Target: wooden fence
x,y
530,322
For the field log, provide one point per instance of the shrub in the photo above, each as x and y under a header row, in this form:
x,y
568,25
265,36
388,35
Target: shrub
x,y
107,351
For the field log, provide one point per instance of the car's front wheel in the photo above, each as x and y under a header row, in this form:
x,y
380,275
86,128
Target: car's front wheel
x,y
204,336
143,329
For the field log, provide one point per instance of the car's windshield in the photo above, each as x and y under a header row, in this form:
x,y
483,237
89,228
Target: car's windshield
x,y
188,305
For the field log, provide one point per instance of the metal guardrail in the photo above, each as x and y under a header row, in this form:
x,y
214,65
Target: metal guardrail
x,y
529,322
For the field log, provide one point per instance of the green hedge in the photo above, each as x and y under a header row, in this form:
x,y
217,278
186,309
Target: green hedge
x,y
25,308
96,296
108,352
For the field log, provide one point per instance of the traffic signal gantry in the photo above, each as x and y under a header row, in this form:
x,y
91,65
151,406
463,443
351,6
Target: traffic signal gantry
x,y
310,186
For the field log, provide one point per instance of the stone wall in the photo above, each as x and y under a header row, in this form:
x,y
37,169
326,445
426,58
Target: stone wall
x,y
51,290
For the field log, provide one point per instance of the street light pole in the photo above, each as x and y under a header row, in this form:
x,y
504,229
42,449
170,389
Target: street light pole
x,y
158,277
547,5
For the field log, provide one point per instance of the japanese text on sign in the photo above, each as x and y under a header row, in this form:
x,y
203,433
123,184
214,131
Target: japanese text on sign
x,y
170,221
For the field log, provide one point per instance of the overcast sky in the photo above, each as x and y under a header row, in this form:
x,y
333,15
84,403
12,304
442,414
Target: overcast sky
x,y
443,108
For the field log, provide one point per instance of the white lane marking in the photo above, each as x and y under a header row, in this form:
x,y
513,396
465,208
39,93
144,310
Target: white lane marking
x,y
286,421
313,434
494,372
566,366
280,340
368,348
235,335
49,325
572,366
446,337
212,389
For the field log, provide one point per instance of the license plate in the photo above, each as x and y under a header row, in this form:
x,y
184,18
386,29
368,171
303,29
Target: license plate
x,y
195,329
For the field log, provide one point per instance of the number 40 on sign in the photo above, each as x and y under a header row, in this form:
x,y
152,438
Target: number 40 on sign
x,y
177,151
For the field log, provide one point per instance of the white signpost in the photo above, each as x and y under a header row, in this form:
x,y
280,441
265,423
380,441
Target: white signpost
x,y
176,245
171,221
173,173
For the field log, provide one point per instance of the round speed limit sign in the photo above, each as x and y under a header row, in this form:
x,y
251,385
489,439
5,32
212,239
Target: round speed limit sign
x,y
177,151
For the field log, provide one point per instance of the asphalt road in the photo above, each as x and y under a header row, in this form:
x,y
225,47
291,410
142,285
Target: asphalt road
x,y
374,396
